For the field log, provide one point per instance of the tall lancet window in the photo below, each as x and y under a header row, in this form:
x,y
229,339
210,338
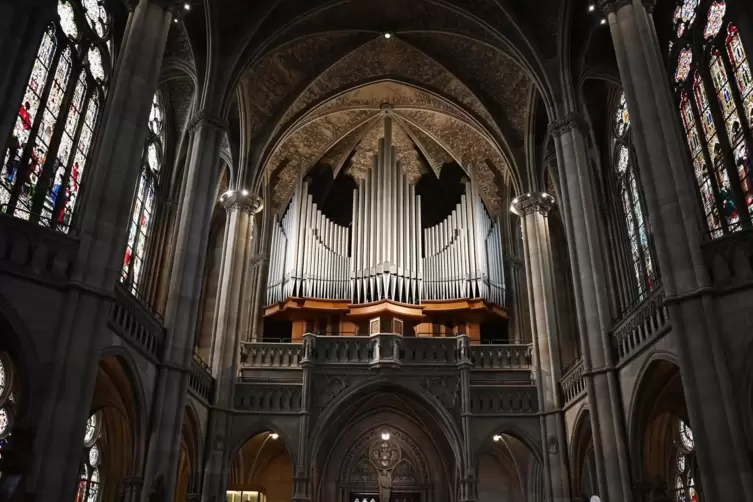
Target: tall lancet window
x,y
142,213
714,87
684,481
632,202
44,158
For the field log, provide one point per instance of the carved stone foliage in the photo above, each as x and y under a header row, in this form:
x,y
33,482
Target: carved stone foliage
x,y
382,57
486,69
399,456
445,388
325,389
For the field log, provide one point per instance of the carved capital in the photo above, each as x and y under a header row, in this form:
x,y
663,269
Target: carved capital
x,y
241,200
529,203
203,118
608,6
571,121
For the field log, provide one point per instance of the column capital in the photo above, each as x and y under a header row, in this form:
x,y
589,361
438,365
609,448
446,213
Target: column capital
x,y
609,6
540,202
204,118
233,200
571,121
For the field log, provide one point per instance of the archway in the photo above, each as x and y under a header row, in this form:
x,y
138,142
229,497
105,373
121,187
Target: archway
x,y
382,444
582,458
261,471
112,447
666,464
188,461
508,470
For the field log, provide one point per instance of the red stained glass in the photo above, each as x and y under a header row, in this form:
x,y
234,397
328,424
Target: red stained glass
x,y
684,60
715,19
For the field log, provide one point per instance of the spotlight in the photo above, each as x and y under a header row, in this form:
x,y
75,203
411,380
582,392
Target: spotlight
x,y
175,20
187,6
591,8
497,438
244,193
385,436
274,435
603,21
388,35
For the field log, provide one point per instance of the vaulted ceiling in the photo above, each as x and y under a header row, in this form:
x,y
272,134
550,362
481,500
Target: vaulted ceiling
x,y
464,79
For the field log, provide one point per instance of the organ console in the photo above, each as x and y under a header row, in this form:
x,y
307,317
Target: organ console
x,y
386,254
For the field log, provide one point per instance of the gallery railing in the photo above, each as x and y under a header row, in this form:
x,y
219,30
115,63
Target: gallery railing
x,y
572,382
133,321
646,323
200,381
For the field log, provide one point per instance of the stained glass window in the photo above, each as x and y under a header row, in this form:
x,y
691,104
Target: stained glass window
x,y
632,203
714,20
144,200
8,401
89,481
684,482
47,151
684,16
718,132
684,60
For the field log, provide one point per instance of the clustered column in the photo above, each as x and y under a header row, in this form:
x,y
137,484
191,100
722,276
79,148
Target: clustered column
x,y
533,209
181,313
230,326
594,322
674,215
115,167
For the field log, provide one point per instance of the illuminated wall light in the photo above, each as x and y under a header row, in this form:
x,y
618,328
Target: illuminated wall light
x,y
591,8
187,6
274,435
603,21
245,193
388,35
385,436
497,438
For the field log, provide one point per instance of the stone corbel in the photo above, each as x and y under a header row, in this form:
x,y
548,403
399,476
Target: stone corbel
x,y
203,118
608,6
571,121
241,200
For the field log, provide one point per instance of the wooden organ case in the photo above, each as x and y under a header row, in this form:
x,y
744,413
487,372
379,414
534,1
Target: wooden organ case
x,y
385,272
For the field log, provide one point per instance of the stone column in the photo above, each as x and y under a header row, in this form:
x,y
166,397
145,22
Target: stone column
x,y
302,475
533,209
468,478
594,321
671,195
22,24
262,274
516,300
241,208
115,166
183,298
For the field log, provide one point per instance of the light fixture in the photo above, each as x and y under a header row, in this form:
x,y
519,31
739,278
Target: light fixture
x,y
226,194
497,438
244,193
385,436
591,8
187,6
603,21
274,435
388,35
175,20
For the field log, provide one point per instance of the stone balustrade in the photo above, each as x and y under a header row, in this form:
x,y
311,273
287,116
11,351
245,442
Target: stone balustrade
x,y
495,357
572,382
641,327
271,355
131,320
502,400
200,381
268,397
36,252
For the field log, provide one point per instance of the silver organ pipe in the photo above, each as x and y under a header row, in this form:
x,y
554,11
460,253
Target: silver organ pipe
x,y
386,253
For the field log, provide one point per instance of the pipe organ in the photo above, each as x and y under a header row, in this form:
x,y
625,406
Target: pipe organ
x,y
386,253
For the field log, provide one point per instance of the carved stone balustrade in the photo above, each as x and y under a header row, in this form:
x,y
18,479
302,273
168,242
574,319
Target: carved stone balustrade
x,y
429,351
271,355
494,357
200,381
572,383
501,400
270,398
36,252
730,260
132,321
644,325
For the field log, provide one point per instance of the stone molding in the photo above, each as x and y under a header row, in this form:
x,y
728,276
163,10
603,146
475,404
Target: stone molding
x,y
203,118
571,121
235,200
540,202
609,6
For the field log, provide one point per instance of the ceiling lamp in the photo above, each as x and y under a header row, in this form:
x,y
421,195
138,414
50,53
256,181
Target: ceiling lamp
x,y
274,435
497,438
385,436
388,35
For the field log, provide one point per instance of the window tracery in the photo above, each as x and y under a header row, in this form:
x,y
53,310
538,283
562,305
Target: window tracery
x,y
632,203
8,393
144,202
718,131
684,465
89,482
39,178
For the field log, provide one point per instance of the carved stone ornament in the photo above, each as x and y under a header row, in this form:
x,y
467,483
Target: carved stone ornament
x,y
608,6
236,200
529,203
552,445
203,118
571,121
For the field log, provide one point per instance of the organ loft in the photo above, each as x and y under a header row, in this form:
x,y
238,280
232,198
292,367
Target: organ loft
x,y
389,265
376,251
